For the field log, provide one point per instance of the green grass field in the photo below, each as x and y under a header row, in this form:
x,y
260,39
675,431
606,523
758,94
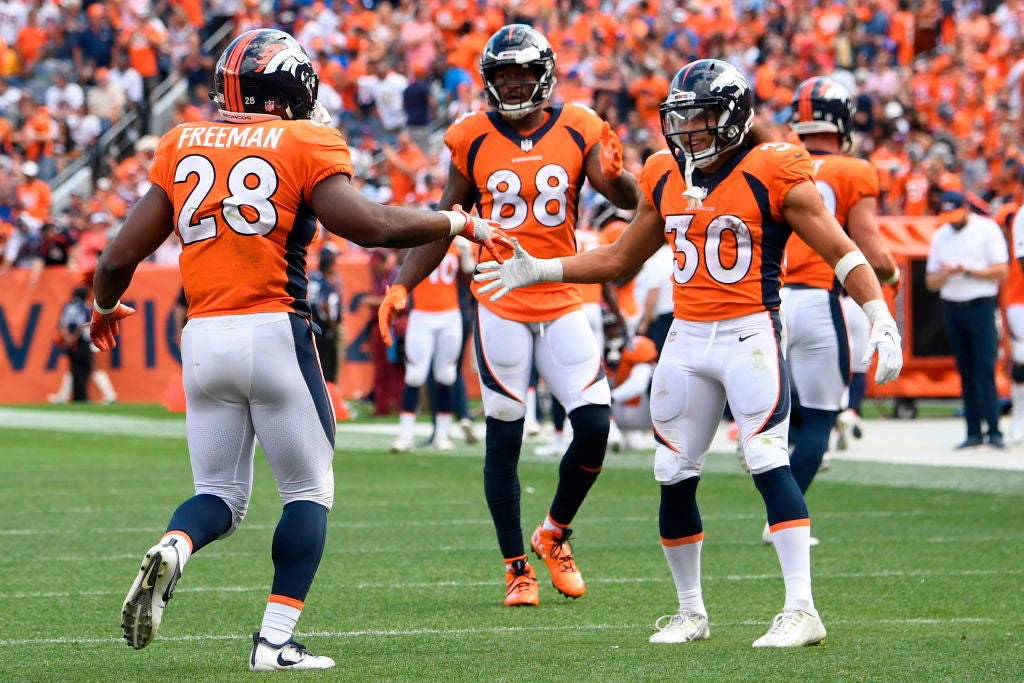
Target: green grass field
x,y
921,582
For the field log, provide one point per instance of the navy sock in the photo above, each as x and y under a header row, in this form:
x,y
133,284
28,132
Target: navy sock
x,y
204,517
858,386
679,515
504,440
445,398
782,498
410,399
811,444
557,415
298,546
582,460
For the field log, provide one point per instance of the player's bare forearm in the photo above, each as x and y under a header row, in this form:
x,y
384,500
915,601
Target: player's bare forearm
x,y
421,262
110,282
624,192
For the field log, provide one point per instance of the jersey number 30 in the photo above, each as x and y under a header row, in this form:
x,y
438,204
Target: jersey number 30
x,y
259,219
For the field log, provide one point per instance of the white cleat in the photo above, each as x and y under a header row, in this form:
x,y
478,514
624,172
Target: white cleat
x,y
793,628
401,445
556,446
466,425
682,627
444,444
144,607
289,655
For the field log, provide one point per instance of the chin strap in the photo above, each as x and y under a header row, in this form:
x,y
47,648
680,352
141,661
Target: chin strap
x,y
694,195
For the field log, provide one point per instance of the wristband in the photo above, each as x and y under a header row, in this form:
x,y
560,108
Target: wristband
x,y
105,311
894,278
877,311
550,269
848,263
458,221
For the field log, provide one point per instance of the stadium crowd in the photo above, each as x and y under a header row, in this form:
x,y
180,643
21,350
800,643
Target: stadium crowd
x,y
938,88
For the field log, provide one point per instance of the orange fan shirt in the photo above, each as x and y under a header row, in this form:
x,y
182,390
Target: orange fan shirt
x,y
439,291
842,181
239,193
530,185
728,252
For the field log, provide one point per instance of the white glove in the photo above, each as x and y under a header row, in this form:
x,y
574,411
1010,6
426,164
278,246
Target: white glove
x,y
519,271
883,340
321,115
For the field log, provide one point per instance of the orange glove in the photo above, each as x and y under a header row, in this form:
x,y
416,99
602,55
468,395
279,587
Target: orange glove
x,y
394,301
479,230
611,153
103,329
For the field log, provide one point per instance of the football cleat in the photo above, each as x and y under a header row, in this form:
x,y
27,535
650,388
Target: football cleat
x,y
443,444
682,627
520,584
288,655
793,628
143,609
401,445
553,547
466,425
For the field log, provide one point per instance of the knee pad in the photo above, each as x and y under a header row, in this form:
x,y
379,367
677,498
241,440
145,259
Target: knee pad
x,y
764,452
671,467
416,374
666,406
505,409
445,374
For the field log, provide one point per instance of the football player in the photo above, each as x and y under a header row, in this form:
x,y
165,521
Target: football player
x,y
817,339
726,198
242,194
433,344
523,164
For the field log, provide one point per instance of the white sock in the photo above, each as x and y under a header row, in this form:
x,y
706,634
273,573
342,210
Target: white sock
x,y
549,525
183,545
106,387
793,546
406,425
442,424
684,561
279,622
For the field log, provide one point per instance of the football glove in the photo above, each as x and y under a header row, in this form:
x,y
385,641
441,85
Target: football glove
x,y
519,271
394,301
103,329
611,153
883,340
479,230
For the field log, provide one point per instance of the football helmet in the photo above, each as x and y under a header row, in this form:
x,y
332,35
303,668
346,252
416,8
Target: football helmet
x,y
603,211
265,71
640,349
821,105
707,97
523,46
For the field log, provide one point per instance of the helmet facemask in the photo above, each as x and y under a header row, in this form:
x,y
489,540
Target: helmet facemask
x,y
709,120
534,86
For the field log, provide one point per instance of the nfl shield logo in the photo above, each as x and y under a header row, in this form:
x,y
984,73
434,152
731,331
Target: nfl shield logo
x,y
526,144
270,105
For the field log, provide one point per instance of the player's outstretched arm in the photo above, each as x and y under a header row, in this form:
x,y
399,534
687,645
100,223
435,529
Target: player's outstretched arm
x,y
609,262
345,211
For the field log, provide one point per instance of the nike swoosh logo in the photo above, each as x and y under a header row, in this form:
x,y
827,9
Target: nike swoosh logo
x,y
745,338
284,662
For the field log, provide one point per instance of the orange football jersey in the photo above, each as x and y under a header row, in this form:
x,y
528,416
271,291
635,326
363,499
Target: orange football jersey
x,y
842,181
240,194
439,291
728,252
627,302
529,184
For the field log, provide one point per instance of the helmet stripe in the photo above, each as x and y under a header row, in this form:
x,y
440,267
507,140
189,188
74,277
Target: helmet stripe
x,y
232,86
805,110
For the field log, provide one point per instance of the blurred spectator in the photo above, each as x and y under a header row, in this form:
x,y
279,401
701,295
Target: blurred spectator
x,y
64,92
105,99
38,134
405,161
94,45
420,106
421,40
33,194
124,77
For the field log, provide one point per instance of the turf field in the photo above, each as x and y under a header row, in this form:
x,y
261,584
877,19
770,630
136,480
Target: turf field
x,y
916,582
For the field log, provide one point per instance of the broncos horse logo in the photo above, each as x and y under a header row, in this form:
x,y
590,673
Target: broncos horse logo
x,y
277,57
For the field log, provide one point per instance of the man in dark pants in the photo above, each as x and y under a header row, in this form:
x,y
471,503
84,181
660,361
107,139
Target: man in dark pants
x,y
74,333
967,260
325,301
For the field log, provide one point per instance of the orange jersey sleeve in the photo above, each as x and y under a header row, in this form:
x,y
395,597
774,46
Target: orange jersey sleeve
x,y
530,185
240,196
729,251
440,290
842,181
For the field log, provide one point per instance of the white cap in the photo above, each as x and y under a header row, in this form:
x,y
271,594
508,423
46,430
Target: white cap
x,y
30,168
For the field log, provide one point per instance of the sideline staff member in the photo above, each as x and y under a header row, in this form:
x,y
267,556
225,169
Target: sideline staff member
x,y
967,260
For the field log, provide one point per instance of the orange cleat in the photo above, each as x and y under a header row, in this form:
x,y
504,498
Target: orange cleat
x,y
520,584
553,547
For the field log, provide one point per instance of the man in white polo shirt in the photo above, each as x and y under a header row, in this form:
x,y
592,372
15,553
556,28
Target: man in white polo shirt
x,y
967,260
